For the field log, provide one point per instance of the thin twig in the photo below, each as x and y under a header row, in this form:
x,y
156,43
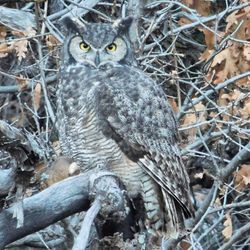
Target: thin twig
x,y
245,230
83,236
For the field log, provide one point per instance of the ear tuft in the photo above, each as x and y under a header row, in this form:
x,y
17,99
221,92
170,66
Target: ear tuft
x,y
123,25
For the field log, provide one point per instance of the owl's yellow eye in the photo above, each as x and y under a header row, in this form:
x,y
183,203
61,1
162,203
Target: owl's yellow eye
x,y
84,46
112,47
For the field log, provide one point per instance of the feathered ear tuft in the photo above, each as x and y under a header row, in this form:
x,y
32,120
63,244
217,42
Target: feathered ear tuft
x,y
123,25
73,24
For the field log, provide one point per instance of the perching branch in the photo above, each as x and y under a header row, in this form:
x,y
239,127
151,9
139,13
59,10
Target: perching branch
x,y
51,205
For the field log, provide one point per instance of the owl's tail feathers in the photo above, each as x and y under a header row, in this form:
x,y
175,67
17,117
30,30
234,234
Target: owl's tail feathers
x,y
174,217
162,217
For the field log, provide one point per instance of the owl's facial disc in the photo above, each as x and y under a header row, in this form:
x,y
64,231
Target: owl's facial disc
x,y
86,53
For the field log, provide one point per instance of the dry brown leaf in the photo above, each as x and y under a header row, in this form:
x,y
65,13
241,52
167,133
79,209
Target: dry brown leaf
x,y
37,96
228,227
192,118
231,20
246,52
210,41
242,177
245,111
183,21
173,104
4,50
228,63
235,59
22,81
217,202
241,17
3,33
201,6
209,38
206,54
188,2
51,42
235,95
21,48
20,34
220,57
232,101
238,104
244,82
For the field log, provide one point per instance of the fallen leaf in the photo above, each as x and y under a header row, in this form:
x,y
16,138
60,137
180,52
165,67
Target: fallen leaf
x,y
4,50
188,2
21,48
228,227
242,177
228,63
201,6
183,21
245,111
173,104
194,116
51,42
235,95
206,54
217,202
3,33
22,81
209,38
37,96
246,52
238,23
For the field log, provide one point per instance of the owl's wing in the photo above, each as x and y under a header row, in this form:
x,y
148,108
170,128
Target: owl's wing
x,y
138,113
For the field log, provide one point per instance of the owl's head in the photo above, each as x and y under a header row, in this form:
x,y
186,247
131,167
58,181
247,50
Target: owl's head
x,y
98,44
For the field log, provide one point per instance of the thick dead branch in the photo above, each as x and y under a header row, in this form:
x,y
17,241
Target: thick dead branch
x,y
24,22
108,199
53,204
59,201
82,8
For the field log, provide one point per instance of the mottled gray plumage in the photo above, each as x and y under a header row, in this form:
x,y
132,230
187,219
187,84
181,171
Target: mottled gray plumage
x,y
110,113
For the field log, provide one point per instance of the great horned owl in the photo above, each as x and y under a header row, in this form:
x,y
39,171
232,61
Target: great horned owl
x,y
111,113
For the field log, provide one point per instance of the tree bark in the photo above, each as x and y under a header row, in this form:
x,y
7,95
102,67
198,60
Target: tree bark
x,y
47,207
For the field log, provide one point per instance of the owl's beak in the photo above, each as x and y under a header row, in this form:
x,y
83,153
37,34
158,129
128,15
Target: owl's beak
x,y
97,59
